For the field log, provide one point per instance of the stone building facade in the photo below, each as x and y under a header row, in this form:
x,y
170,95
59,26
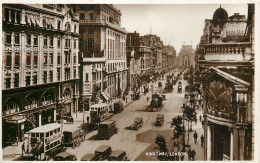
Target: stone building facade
x,y
186,56
40,66
225,58
102,37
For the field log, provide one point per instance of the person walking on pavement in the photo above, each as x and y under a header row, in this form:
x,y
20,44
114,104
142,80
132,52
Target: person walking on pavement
x,y
193,153
200,118
189,154
195,136
182,154
147,98
202,140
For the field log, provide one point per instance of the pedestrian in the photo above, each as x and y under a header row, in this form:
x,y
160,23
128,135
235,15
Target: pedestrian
x,y
195,120
147,98
200,118
202,140
189,154
195,136
193,153
126,99
23,148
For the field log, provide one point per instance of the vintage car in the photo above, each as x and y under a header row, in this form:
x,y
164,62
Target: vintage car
x,y
90,157
103,152
159,120
138,123
65,156
118,155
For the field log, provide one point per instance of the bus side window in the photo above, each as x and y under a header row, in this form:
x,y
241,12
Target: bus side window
x,y
51,133
47,134
58,141
51,145
55,143
37,135
33,134
41,135
58,129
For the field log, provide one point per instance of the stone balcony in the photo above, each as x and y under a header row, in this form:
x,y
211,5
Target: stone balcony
x,y
241,51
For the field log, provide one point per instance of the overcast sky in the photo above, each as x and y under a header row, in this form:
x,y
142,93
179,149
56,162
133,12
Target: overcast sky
x,y
174,23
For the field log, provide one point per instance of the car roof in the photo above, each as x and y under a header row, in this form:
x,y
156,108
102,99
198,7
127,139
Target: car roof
x,y
102,148
116,153
159,116
87,157
138,118
108,122
63,154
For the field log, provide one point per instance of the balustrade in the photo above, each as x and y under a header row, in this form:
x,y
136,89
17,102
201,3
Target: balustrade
x,y
232,48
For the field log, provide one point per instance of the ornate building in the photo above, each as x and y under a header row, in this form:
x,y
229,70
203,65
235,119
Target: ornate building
x,y
225,59
170,57
39,68
186,56
103,43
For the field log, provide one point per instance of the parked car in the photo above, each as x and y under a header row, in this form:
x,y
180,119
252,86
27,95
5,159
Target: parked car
x,y
159,84
107,129
103,152
118,107
118,155
138,122
65,156
159,120
90,157
179,89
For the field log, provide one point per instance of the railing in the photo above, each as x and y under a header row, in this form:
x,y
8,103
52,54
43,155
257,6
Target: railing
x,y
228,48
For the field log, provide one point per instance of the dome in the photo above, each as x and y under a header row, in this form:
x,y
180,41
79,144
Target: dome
x,y
220,14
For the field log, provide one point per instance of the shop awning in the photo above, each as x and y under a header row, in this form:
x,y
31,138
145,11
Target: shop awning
x,y
105,96
16,119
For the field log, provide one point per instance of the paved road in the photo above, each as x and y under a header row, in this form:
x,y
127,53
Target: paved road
x,y
126,139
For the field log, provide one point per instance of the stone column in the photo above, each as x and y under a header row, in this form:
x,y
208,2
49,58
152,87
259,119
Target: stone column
x,y
241,144
231,145
54,114
40,119
208,143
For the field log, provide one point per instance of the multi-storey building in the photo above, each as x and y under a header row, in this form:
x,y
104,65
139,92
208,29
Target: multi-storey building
x,y
102,37
170,57
186,56
225,58
138,59
40,66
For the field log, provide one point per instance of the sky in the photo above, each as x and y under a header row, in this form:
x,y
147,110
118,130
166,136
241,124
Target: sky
x,y
175,24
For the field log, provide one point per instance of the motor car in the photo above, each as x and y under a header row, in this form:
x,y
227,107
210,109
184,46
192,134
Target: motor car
x,y
138,123
163,96
65,156
103,152
90,157
107,129
118,155
159,120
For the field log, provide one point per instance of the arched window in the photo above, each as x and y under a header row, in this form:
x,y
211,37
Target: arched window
x,y
10,106
67,26
31,102
47,98
67,93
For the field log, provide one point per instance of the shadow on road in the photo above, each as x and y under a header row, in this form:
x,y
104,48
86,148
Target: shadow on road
x,y
94,137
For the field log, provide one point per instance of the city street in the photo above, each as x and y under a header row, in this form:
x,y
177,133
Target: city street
x,y
137,142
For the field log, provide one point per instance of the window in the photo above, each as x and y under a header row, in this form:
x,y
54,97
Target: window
x,y
17,60
51,41
75,44
45,59
59,25
74,73
28,59
67,57
51,58
44,22
90,31
16,80
67,73
44,76
35,40
29,39
35,78
8,38
90,44
86,77
82,16
45,41
91,15
8,59
8,83
35,59
67,43
28,80
58,59
16,38
58,74
74,59
67,26
58,42
51,76
75,28
81,44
